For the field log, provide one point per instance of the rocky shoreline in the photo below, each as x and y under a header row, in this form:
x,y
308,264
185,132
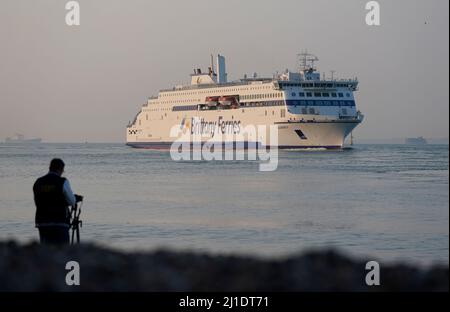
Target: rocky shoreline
x,y
33,267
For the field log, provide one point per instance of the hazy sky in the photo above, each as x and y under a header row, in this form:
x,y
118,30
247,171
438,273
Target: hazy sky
x,y
85,83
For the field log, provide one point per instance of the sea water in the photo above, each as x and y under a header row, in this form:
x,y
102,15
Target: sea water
x,y
385,202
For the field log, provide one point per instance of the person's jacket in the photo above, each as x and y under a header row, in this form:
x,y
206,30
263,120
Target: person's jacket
x,y
52,196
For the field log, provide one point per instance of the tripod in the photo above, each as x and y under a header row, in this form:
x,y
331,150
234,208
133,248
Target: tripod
x,y
76,223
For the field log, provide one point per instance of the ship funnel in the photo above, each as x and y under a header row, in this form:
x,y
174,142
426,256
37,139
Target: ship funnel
x,y
221,70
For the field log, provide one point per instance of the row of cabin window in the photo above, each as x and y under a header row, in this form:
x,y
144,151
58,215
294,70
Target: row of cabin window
x,y
156,109
320,94
313,111
261,96
321,103
184,108
266,103
314,85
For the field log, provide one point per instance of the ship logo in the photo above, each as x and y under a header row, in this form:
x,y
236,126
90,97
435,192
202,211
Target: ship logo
x,y
185,124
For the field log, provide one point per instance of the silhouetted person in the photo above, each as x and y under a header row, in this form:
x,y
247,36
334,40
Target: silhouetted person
x,y
53,196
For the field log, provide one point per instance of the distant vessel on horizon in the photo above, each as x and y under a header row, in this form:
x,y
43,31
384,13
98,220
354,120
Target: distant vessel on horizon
x,y
20,138
416,141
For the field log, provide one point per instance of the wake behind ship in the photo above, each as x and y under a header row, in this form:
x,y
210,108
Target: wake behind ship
x,y
309,112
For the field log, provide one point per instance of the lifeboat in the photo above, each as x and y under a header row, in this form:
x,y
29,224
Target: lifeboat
x,y
212,101
228,101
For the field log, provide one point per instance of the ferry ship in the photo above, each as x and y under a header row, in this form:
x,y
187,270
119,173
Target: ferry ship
x,y
308,110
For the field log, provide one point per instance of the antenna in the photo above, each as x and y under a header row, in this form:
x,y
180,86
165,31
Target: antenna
x,y
306,61
332,74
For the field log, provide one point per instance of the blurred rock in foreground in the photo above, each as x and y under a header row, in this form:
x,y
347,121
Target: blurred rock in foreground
x,y
40,268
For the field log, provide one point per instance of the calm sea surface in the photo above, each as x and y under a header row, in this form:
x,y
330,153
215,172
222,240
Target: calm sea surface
x,y
390,202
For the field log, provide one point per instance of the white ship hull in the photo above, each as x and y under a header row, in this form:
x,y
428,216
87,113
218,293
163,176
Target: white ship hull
x,y
329,135
326,134
317,133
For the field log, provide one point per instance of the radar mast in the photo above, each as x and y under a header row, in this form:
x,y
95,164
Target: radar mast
x,y
306,61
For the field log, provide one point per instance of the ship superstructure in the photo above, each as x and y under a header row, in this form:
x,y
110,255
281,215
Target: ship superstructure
x,y
309,111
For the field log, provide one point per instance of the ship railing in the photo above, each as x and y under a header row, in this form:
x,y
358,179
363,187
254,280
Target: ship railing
x,y
214,85
130,124
359,116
